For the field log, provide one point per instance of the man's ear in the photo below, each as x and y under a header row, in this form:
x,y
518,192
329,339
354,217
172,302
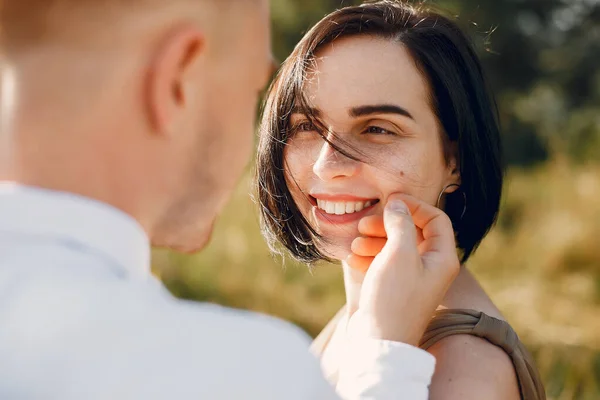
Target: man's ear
x,y
167,88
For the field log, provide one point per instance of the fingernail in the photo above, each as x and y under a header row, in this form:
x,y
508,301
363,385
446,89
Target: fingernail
x,y
399,207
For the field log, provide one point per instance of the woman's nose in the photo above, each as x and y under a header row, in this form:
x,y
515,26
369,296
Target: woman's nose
x,y
331,164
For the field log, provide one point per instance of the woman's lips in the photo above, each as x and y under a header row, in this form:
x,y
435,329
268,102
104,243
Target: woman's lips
x,y
354,209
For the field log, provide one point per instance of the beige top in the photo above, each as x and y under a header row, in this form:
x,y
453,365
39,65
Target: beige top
x,y
468,322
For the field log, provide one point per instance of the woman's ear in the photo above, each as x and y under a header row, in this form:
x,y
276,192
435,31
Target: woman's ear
x,y
453,169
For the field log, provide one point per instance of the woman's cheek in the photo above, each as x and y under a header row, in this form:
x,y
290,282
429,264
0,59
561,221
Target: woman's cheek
x,y
406,172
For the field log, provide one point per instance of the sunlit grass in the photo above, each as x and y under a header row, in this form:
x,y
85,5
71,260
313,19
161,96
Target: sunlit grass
x,y
541,265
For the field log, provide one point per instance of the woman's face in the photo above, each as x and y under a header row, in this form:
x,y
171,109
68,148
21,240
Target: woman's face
x,y
369,92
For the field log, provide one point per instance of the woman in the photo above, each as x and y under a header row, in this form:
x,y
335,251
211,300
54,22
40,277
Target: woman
x,y
379,99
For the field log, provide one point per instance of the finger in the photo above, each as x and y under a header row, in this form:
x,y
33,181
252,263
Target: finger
x,y
399,225
359,263
372,225
435,225
438,249
368,246
420,238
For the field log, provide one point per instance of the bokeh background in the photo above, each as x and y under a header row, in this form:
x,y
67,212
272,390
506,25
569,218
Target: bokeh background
x,y
541,263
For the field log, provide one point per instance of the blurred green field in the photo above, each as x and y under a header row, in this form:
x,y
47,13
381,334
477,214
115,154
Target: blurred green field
x,y
541,265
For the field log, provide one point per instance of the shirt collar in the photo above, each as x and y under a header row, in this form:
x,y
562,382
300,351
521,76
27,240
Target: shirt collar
x,y
76,219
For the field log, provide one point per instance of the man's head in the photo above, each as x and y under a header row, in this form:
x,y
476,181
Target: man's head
x,y
146,104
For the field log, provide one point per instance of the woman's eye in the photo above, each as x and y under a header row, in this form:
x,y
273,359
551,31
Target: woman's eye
x,y
305,126
378,131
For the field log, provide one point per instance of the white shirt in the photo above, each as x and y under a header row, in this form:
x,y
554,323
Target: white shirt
x,y
81,317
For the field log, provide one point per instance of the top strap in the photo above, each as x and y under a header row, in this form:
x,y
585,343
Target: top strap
x,y
470,322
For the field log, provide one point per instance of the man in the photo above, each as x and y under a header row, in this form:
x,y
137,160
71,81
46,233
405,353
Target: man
x,y
124,120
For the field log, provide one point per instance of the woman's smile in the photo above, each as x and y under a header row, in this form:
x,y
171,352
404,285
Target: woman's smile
x,y
341,208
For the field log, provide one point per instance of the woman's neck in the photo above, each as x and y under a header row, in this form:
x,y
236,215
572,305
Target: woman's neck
x,y
464,292
353,284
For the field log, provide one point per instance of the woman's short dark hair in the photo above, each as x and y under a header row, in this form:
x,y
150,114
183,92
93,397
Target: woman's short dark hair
x,y
460,98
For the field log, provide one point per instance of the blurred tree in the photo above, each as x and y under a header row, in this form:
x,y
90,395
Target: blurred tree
x,y
542,58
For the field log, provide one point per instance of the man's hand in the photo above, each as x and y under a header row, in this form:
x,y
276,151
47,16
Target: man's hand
x,y
410,261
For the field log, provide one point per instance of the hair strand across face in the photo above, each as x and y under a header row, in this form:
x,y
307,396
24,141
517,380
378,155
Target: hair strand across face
x,y
459,96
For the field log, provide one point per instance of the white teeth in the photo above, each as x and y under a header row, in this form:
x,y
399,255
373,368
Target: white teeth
x,y
342,207
358,206
330,207
349,208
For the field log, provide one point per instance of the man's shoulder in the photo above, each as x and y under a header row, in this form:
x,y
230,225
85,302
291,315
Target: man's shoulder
x,y
149,343
222,323
259,353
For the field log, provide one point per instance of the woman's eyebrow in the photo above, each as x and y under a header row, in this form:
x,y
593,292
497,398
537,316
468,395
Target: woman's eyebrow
x,y
359,111
312,111
365,110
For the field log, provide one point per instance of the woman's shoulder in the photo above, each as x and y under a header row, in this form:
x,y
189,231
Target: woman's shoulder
x,y
470,367
479,355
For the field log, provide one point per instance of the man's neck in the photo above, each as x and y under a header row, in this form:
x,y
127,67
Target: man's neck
x,y
70,171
